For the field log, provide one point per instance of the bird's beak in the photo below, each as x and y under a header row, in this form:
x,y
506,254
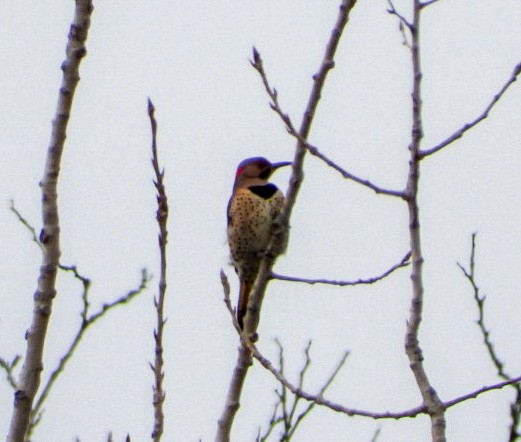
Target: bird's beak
x,y
275,166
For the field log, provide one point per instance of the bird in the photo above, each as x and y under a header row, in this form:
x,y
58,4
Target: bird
x,y
252,209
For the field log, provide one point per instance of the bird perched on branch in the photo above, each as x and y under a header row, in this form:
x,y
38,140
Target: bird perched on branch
x,y
253,207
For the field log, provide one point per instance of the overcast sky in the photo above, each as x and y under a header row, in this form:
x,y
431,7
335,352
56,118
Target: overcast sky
x,y
192,61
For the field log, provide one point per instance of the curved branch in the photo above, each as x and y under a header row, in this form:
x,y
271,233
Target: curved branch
x,y
515,406
320,400
460,132
349,176
313,150
403,263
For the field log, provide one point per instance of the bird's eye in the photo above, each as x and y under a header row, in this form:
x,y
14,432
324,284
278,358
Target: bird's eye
x,y
265,174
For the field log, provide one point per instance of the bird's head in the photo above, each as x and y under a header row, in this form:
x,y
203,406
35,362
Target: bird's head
x,y
257,168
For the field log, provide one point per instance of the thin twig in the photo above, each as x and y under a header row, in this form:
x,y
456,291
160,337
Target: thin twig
x,y
515,407
87,321
403,24
72,268
50,234
227,300
403,263
474,394
290,423
26,224
124,299
480,302
272,424
162,218
86,304
407,44
376,434
427,3
311,405
460,132
283,396
313,150
86,285
392,10
8,368
301,377
349,176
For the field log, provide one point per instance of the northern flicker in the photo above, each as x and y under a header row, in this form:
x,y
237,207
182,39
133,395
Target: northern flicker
x,y
254,205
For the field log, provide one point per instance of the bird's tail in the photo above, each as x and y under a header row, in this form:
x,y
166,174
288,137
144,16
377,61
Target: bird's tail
x,y
242,307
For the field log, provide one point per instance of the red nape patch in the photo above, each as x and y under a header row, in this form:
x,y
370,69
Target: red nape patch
x,y
239,171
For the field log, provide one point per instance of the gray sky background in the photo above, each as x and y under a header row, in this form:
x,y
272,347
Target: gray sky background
x,y
192,60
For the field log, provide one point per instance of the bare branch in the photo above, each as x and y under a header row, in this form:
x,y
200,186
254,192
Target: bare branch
x,y
49,236
280,233
283,397
427,3
26,224
271,425
403,263
307,363
123,299
329,381
407,44
162,218
87,321
413,350
278,236
515,407
313,150
37,412
320,400
86,285
480,302
66,268
480,391
72,268
460,132
8,368
392,10
255,300
243,363
349,176
376,434
227,301
287,419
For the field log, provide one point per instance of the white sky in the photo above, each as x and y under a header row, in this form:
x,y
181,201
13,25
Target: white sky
x,y
192,60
